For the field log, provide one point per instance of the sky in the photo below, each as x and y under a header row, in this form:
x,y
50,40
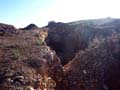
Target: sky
x,y
20,13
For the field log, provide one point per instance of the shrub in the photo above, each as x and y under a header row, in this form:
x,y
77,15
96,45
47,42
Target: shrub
x,y
38,42
16,53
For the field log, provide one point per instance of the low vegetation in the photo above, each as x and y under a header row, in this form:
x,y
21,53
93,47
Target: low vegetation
x,y
16,53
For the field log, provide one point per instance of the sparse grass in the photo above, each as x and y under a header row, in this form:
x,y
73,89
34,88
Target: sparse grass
x,y
39,42
16,53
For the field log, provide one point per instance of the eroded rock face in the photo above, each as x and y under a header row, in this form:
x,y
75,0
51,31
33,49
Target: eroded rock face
x,y
27,65
96,68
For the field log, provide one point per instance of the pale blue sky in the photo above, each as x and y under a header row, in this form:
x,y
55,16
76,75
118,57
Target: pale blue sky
x,y
23,12
20,12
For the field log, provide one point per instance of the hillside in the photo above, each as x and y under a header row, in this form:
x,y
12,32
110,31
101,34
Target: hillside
x,y
26,63
61,56
93,21
67,39
95,68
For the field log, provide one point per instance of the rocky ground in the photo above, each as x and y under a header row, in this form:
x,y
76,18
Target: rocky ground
x,y
95,68
68,38
26,64
74,57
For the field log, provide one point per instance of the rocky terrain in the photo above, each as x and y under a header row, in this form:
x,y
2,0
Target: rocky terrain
x,y
81,55
67,38
95,68
26,64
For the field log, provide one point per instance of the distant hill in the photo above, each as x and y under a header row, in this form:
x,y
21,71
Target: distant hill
x,y
30,27
93,21
114,23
